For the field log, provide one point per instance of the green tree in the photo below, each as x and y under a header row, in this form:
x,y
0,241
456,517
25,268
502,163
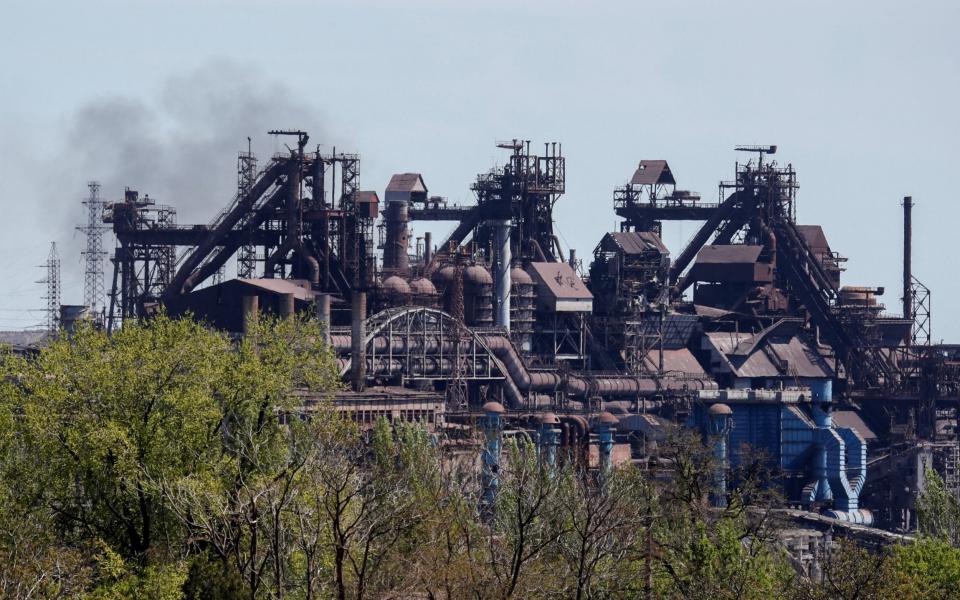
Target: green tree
x,y
103,416
938,510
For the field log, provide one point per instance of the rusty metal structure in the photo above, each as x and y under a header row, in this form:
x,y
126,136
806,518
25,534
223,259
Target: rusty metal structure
x,y
751,317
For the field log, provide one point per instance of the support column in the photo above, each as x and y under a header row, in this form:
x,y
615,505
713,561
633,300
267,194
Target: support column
x,y
323,316
358,355
251,309
288,305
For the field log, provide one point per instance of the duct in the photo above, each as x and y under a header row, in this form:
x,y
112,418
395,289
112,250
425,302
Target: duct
x,y
195,278
223,226
723,212
537,250
501,275
427,247
313,265
860,516
467,225
517,371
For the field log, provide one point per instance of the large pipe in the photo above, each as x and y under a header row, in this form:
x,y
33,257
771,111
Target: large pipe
x,y
907,260
501,275
323,315
395,247
427,248
358,362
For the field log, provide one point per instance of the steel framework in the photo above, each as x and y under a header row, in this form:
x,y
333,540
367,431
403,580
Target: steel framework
x,y
52,281
94,255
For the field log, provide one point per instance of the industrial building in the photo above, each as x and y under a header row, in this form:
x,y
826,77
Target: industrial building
x,y
748,333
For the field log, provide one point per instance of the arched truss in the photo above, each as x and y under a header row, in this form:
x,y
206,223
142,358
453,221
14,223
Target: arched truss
x,y
425,343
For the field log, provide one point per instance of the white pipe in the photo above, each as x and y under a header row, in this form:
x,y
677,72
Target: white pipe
x,y
501,272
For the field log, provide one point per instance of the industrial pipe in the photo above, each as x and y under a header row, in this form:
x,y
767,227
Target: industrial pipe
x,y
501,274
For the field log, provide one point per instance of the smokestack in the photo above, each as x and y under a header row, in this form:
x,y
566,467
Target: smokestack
x,y
358,357
501,272
427,248
323,315
251,309
573,259
907,259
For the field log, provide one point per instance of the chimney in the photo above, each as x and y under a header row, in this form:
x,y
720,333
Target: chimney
x,y
907,260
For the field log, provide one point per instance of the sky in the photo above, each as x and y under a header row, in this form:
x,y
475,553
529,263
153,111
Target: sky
x,y
861,97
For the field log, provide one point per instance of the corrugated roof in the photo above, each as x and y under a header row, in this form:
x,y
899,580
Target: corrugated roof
x,y
407,182
638,242
561,280
282,286
729,254
680,360
773,357
650,172
367,196
851,420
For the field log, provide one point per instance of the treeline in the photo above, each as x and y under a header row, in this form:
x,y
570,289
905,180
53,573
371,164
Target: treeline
x,y
168,461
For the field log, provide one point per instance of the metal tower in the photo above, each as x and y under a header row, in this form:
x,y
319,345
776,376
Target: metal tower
x,y
53,288
246,177
94,254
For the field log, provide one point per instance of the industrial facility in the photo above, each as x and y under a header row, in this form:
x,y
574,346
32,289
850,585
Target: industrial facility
x,y
748,334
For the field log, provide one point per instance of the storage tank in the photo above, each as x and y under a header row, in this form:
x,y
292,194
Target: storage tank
x,y
423,292
396,291
478,296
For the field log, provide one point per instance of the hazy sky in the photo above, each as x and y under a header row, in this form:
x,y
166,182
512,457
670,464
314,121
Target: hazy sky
x,y
862,97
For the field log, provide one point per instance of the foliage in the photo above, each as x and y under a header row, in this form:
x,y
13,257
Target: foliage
x,y
169,461
938,511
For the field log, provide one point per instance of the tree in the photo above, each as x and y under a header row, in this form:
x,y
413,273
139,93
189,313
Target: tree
x,y
938,510
103,416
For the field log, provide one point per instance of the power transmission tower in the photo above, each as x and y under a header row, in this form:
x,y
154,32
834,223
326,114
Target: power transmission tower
x,y
94,254
53,288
